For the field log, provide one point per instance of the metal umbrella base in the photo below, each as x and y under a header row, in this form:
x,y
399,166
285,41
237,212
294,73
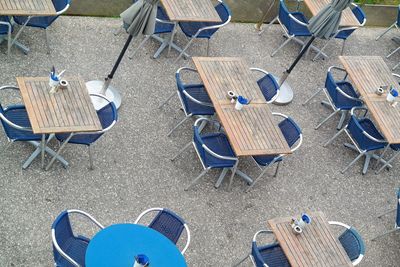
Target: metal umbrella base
x,y
285,95
95,87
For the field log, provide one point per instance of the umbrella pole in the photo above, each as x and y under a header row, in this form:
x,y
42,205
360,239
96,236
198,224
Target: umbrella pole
x,y
116,65
264,17
289,70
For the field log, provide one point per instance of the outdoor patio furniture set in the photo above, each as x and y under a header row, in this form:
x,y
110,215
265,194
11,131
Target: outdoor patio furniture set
x,y
249,131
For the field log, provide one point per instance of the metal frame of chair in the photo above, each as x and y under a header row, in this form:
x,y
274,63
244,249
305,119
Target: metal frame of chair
x,y
272,78
397,223
278,158
65,142
330,102
367,153
256,257
9,31
343,30
197,127
207,28
25,23
355,236
169,212
56,246
189,98
395,24
396,66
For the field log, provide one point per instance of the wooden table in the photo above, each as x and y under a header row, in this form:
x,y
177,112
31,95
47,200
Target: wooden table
x,y
68,110
27,8
367,74
315,246
252,130
191,10
348,18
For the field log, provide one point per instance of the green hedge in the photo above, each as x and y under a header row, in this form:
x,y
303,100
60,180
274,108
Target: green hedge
x,y
380,2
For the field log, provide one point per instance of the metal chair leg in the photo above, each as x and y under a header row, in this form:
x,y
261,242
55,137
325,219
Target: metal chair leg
x,y
352,163
59,151
47,41
184,49
197,178
393,52
90,158
261,175
277,168
202,125
388,162
386,31
281,46
221,177
333,138
232,175
208,46
342,118
242,260
119,30
269,24
181,151
343,46
366,163
326,119
384,234
179,124
386,212
322,49
314,95
146,38
166,100
396,66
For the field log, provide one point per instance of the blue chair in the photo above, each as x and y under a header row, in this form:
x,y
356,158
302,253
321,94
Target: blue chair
x,y
61,7
345,32
268,85
6,28
213,150
397,223
163,26
294,24
194,99
169,224
352,243
269,255
365,137
69,249
205,30
340,94
108,117
395,24
294,138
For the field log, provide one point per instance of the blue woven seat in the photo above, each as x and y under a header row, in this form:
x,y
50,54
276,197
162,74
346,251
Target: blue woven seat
x,y
268,85
193,97
365,137
292,133
169,224
341,95
162,27
270,255
295,28
205,30
352,243
69,249
4,27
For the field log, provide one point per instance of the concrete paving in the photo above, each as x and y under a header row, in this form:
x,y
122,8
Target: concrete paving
x,y
132,167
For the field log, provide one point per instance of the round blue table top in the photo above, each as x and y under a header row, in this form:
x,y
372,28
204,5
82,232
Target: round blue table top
x,y
118,244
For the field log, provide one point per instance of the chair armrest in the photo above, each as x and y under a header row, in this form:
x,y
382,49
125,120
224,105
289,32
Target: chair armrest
x,y
260,70
348,96
191,98
213,26
145,212
293,18
188,239
278,87
87,215
185,68
164,21
261,232
212,153
339,69
63,10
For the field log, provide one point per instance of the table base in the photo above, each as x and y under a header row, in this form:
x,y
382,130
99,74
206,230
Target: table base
x,y
38,151
96,86
165,44
238,172
24,49
285,95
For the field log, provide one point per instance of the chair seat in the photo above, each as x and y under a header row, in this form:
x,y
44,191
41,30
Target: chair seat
x,y
297,29
162,27
4,28
18,115
218,142
266,160
395,147
352,243
343,102
370,128
343,35
36,22
268,86
75,247
273,256
198,92
191,28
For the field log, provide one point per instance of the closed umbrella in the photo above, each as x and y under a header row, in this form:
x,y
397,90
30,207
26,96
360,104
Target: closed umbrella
x,y
140,18
323,25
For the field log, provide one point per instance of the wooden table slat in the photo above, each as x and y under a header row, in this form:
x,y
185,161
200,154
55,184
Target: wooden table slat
x,y
191,10
27,8
68,110
348,18
367,74
316,246
252,130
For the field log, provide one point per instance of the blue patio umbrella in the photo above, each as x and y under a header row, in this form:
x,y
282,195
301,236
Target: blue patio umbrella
x,y
323,25
139,18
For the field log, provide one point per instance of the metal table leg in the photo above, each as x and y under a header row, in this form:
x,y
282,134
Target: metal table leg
x,y
38,150
14,41
245,177
42,146
164,44
171,39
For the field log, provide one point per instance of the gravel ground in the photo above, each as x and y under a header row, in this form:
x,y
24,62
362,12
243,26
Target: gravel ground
x,y
132,167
